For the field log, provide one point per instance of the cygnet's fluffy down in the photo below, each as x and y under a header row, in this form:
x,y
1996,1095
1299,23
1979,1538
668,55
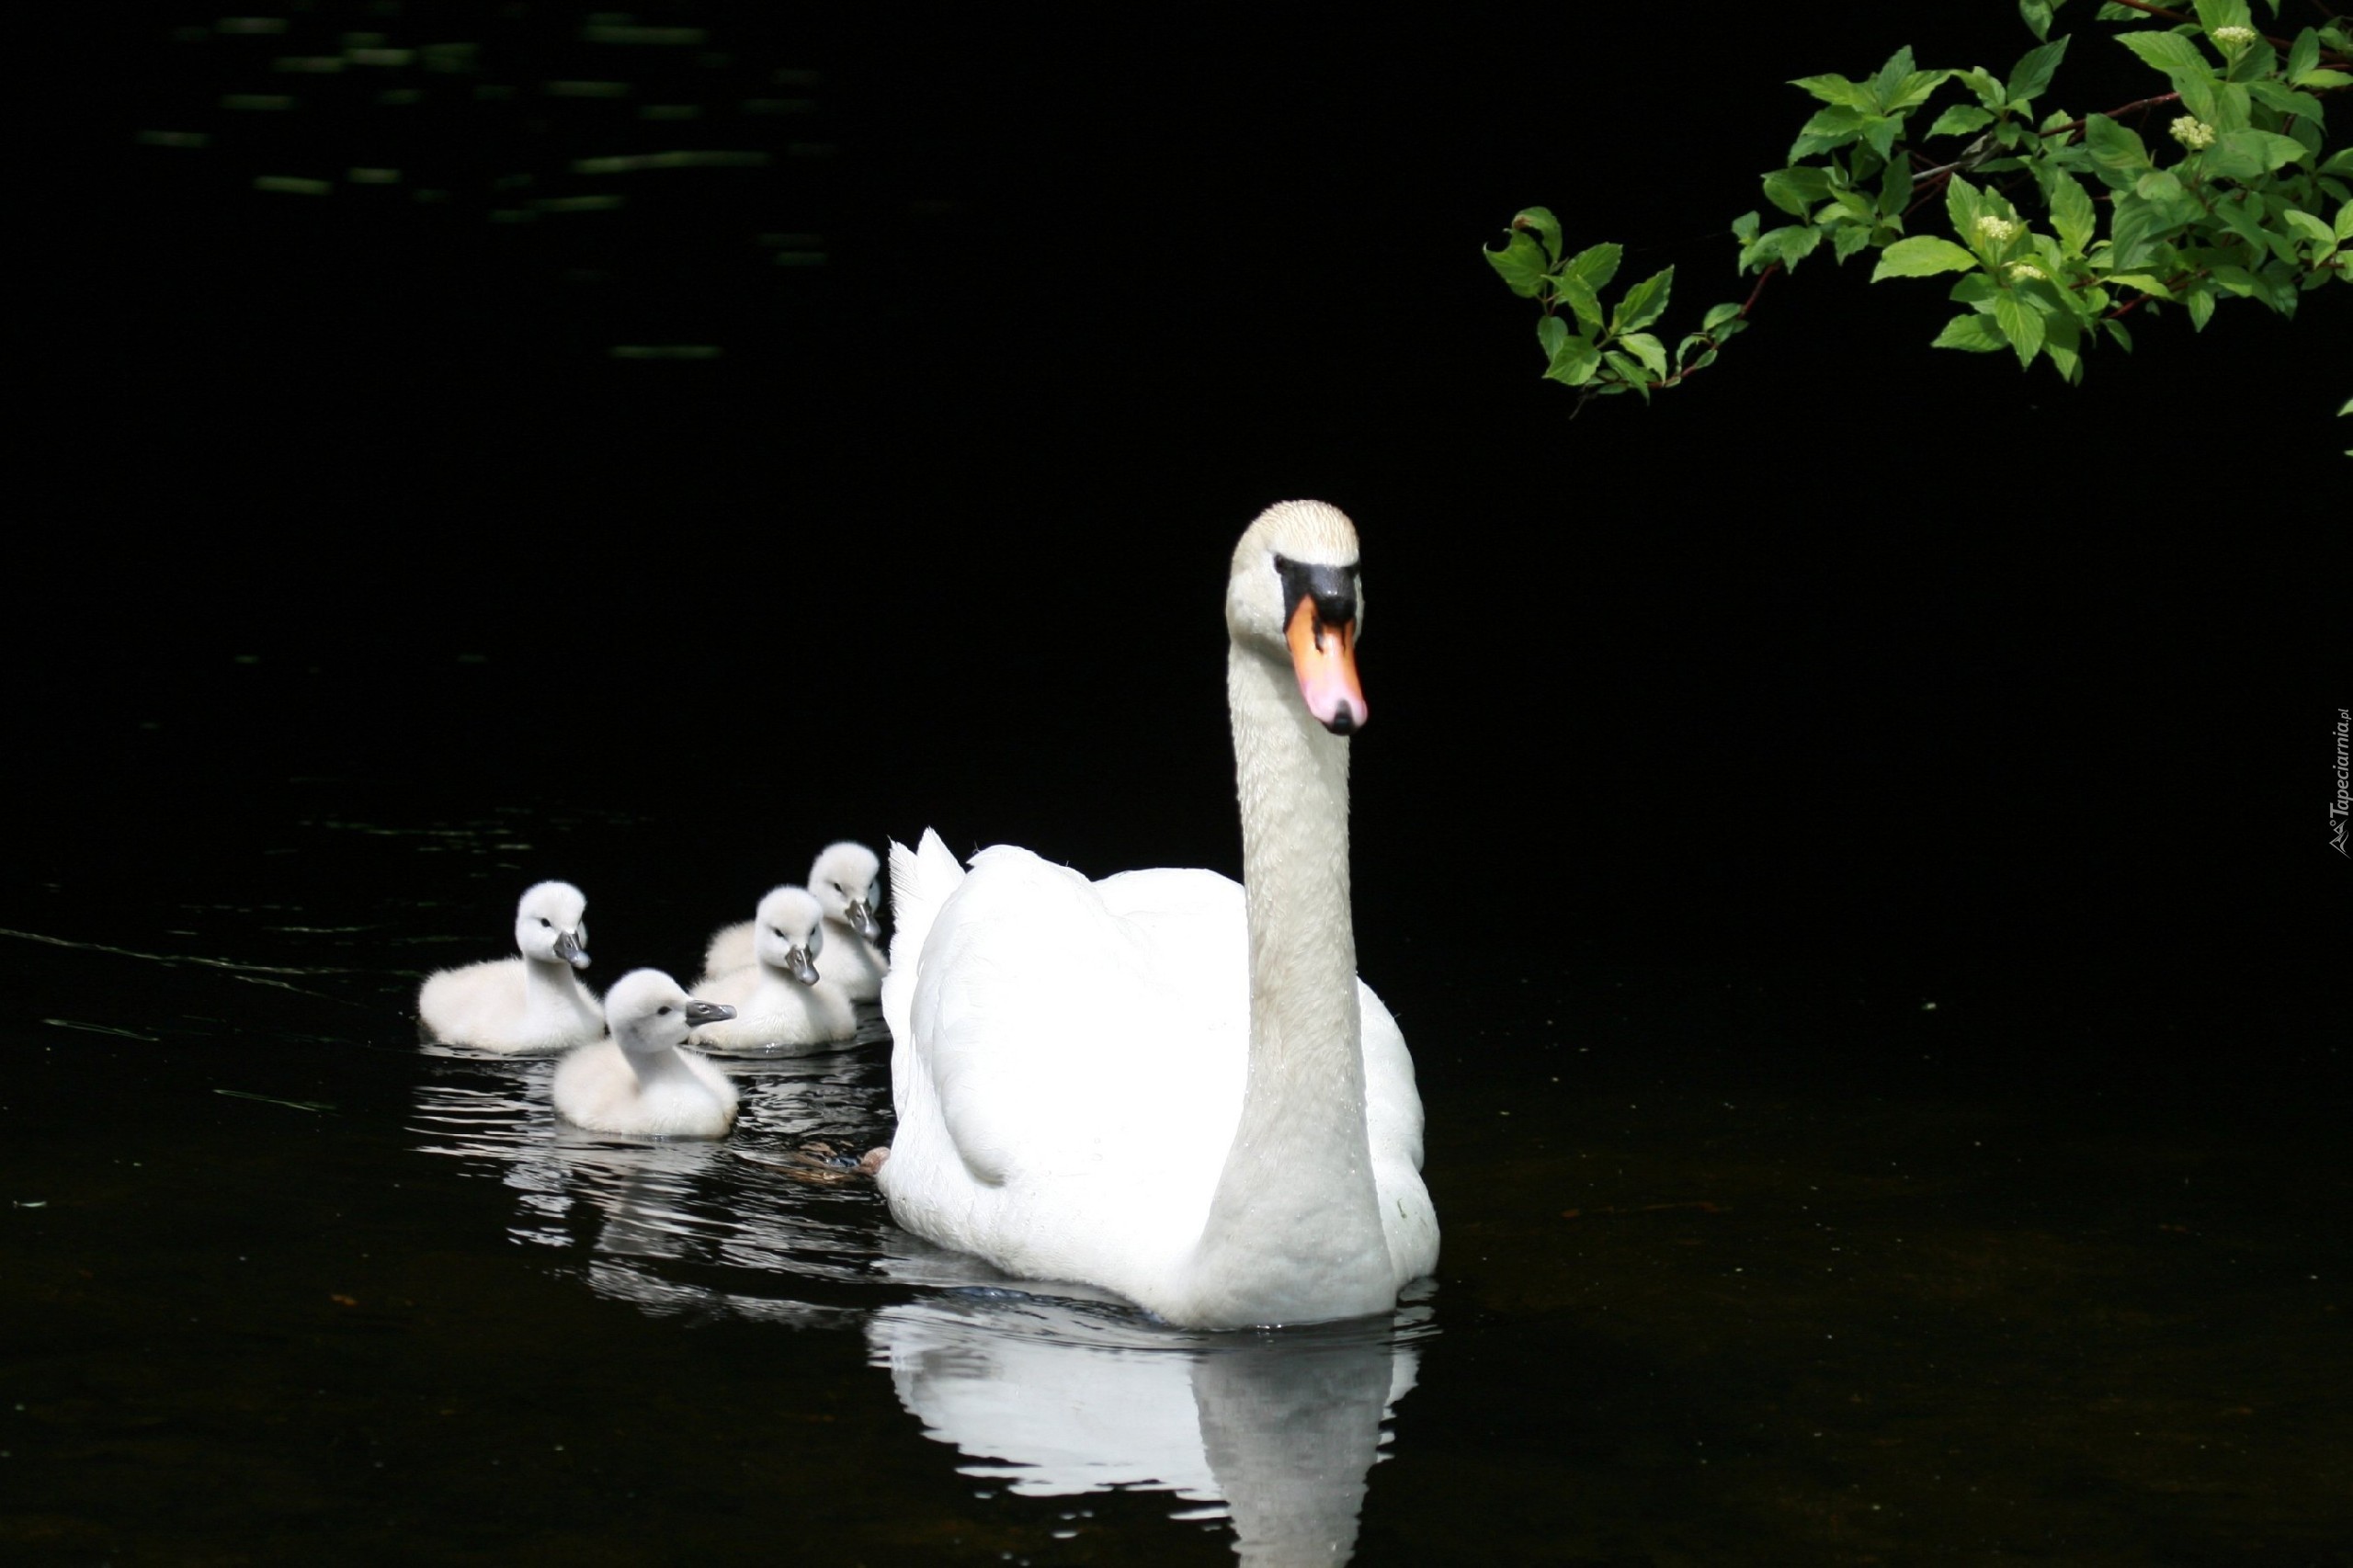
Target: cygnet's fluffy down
x,y
636,1079
846,877
531,1003
780,1000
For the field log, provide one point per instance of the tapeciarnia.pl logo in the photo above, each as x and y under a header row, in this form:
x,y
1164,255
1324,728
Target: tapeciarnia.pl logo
x,y
2338,807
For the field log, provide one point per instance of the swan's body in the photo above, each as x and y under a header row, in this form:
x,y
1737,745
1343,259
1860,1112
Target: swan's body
x,y
780,1000
1166,1084
531,1003
636,1079
842,878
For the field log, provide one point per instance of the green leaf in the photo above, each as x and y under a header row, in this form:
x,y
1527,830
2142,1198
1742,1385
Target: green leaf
x,y
2032,73
2137,226
1597,264
1848,238
2243,155
1964,204
1574,363
2159,184
1890,80
2147,282
1880,133
2321,80
1837,90
1973,332
2071,214
1744,228
1796,189
2303,54
1551,333
2114,146
1895,189
1922,255
1719,314
1975,289
1583,300
2037,15
1960,119
2344,224
1794,245
1644,303
1547,228
2213,14
1521,264
2167,51
1648,349
1833,126
2021,324
2312,228
1630,371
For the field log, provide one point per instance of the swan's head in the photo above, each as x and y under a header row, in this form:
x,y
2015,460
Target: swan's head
x,y
789,932
648,1013
1295,595
842,878
549,925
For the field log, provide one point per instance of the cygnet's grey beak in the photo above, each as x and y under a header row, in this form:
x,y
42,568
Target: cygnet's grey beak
x,y
700,1012
862,921
568,948
801,968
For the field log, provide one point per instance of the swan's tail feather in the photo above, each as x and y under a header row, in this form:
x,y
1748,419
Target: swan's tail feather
x,y
921,880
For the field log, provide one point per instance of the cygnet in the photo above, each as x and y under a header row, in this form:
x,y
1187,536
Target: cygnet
x,y
780,1000
845,876
531,1003
636,1079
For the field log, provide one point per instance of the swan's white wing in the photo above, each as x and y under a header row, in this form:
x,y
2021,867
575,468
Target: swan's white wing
x,y
1082,1047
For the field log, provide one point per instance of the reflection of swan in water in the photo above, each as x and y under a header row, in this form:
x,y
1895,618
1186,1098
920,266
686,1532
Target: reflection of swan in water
x,y
689,1227
1055,1398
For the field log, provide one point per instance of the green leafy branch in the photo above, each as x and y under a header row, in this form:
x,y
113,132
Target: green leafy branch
x,y
2252,206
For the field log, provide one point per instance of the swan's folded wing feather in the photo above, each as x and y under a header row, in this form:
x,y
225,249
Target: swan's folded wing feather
x,y
1068,1037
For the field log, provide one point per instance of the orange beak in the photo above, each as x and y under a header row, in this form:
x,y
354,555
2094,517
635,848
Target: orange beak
x,y
1323,657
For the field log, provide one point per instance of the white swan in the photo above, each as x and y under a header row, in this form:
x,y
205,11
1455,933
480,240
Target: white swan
x,y
1164,1084
843,877
531,1003
780,1000
636,1079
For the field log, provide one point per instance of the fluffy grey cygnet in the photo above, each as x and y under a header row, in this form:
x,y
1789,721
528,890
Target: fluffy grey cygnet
x,y
780,1000
531,1003
636,1079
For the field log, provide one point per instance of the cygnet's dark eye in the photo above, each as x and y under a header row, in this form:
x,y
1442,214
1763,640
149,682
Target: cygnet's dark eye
x,y
779,930
545,921
663,1008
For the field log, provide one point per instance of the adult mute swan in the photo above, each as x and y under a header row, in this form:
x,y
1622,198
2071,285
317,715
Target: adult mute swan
x,y
843,877
780,1000
531,1003
1164,1084
636,1079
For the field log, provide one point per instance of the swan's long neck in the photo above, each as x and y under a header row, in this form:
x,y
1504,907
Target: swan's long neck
x,y
1293,1231
548,987
658,1064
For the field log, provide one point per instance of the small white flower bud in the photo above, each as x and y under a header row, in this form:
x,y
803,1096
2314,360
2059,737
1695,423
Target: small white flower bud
x,y
2024,269
1996,230
2193,133
2234,37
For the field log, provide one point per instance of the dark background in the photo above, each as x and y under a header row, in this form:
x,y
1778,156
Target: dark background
x,y
1850,655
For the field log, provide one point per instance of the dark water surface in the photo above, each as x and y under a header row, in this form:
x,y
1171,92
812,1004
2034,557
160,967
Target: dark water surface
x,y
1740,1265
1845,844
